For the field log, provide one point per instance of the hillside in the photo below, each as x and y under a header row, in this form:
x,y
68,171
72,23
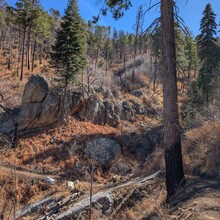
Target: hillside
x,y
58,153
100,123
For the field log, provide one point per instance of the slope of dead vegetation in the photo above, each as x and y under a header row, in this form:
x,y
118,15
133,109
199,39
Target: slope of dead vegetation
x,y
55,149
201,149
57,152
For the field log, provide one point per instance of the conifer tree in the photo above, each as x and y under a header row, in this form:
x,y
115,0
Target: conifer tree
x,y
25,14
207,52
191,55
68,56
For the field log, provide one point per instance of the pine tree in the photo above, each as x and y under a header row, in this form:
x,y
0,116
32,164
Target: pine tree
x,y
191,55
68,56
207,52
25,14
180,48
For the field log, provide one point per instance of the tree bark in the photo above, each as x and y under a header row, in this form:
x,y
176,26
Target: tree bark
x,y
22,55
28,48
41,54
172,140
33,55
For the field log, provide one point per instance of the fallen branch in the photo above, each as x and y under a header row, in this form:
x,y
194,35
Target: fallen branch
x,y
106,194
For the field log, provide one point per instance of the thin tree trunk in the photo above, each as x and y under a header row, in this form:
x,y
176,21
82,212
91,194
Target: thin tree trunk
x,y
28,49
124,64
33,55
22,55
9,62
19,51
155,75
173,155
1,39
41,54
134,58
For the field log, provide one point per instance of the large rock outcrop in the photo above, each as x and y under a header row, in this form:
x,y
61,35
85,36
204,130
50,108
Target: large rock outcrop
x,y
41,107
110,111
35,90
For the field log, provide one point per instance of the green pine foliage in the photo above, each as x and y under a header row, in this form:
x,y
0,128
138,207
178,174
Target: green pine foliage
x,y
182,61
191,55
68,56
208,52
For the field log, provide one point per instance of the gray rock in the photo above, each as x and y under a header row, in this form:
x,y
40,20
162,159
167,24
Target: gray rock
x,y
116,94
109,112
119,110
128,111
40,107
51,108
138,93
90,109
101,115
70,185
139,108
6,127
116,120
35,90
143,148
29,114
107,93
103,150
50,181
75,102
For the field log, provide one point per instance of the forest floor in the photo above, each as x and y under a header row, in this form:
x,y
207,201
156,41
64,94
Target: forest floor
x,y
200,200
55,152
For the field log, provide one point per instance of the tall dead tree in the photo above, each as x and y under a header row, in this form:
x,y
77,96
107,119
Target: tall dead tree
x,y
138,31
172,140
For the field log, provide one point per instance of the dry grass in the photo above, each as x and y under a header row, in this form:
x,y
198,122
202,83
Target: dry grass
x,y
54,150
17,191
201,149
58,150
145,202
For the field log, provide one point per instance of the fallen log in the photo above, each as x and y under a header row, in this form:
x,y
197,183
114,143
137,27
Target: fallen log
x,y
34,207
103,199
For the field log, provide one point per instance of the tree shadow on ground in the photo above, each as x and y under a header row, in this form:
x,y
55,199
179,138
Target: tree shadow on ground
x,y
194,187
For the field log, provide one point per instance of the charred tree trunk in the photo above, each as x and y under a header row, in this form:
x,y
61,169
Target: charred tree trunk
x,y
9,62
172,140
15,139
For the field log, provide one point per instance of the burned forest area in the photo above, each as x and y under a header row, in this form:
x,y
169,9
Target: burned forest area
x,y
100,122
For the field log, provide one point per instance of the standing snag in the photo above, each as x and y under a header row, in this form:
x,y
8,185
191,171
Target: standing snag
x,y
172,140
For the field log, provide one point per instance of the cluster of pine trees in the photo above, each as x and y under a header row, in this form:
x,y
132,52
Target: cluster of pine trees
x,y
26,34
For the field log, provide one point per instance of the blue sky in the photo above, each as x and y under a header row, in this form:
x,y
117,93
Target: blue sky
x,y
189,10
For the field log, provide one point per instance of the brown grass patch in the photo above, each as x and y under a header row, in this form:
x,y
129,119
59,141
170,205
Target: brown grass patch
x,y
201,149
